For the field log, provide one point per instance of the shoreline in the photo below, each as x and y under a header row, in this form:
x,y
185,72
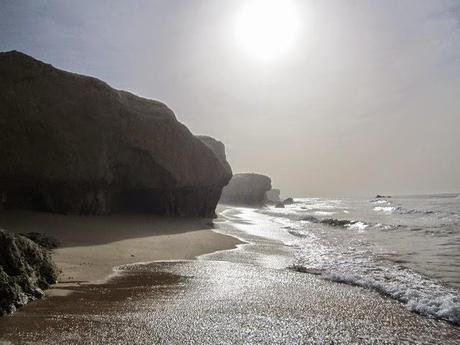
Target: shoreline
x,y
91,247
172,300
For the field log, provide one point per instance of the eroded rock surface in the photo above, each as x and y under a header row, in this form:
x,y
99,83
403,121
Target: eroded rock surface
x,y
26,268
72,144
218,148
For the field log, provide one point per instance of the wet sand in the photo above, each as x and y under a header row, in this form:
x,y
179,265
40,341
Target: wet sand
x,y
216,302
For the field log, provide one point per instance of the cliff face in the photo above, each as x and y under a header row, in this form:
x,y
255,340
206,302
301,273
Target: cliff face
x,y
73,144
246,189
218,148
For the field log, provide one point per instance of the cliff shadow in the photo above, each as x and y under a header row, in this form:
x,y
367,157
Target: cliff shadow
x,y
76,230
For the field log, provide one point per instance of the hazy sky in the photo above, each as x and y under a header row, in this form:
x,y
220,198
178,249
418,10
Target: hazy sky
x,y
365,99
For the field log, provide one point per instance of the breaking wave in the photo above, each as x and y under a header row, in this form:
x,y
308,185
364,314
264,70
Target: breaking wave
x,y
354,256
427,299
401,210
350,224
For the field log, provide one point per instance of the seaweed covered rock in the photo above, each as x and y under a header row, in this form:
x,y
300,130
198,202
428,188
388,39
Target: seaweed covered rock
x,y
246,189
26,268
72,144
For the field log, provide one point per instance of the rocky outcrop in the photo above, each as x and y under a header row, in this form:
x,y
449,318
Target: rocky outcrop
x,y
288,201
26,269
273,196
218,148
246,189
72,144
41,239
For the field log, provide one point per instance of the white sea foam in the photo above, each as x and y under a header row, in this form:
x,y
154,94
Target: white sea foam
x,y
386,209
427,298
386,226
324,213
380,201
357,226
401,210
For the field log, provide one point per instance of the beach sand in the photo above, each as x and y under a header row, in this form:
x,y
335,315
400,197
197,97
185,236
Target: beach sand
x,y
90,246
219,302
234,297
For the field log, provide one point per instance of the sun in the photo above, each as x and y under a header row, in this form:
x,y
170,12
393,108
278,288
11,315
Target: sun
x,y
267,29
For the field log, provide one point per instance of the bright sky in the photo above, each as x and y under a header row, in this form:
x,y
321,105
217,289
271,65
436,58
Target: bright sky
x,y
328,98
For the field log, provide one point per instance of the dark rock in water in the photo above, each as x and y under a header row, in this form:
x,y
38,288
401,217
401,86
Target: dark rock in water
x,y
72,144
246,189
288,201
311,219
337,222
25,270
330,221
273,196
378,196
302,269
43,240
279,205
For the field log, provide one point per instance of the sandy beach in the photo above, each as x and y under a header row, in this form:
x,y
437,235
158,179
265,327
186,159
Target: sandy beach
x,y
91,246
242,296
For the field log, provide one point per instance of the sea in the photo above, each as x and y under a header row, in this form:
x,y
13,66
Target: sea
x,y
406,248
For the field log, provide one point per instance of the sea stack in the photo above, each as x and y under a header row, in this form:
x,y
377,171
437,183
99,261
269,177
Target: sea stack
x,y
72,144
246,189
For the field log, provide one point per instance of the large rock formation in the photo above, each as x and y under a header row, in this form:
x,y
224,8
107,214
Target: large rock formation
x,y
218,148
26,269
246,189
273,196
72,144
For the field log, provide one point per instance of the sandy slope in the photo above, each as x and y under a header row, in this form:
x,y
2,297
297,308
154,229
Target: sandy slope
x,y
92,245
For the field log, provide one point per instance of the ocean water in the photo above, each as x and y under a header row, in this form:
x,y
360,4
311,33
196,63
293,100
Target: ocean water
x,y
405,248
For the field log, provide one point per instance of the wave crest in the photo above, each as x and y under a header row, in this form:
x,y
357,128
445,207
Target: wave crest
x,y
442,305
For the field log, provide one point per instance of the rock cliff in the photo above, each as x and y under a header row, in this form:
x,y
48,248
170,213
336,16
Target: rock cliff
x,y
72,144
246,189
218,148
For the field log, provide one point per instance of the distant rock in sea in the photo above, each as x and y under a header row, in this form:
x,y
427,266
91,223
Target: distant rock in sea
x,y
246,189
378,196
72,144
288,201
26,269
273,196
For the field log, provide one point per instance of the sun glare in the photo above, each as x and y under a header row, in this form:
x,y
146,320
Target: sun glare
x,y
267,29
